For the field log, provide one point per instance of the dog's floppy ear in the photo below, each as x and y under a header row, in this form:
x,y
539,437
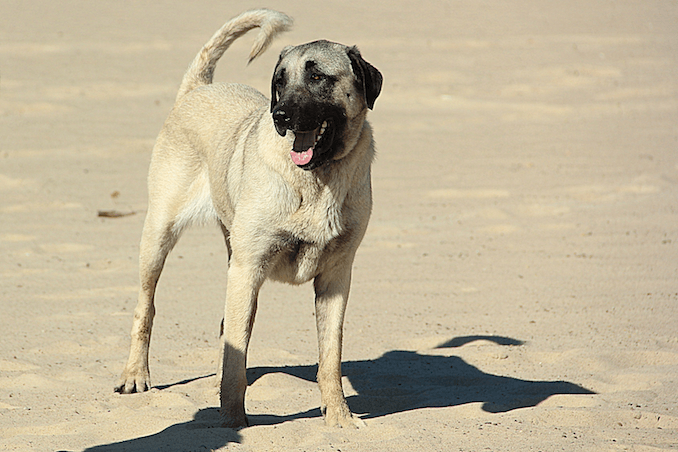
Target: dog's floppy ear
x,y
274,90
369,78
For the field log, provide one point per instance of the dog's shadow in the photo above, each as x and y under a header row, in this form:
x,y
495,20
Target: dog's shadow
x,y
400,381
396,382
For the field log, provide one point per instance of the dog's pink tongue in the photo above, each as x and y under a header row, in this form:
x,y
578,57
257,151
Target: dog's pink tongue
x,y
301,158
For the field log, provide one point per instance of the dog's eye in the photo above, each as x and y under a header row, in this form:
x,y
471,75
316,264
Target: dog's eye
x,y
316,77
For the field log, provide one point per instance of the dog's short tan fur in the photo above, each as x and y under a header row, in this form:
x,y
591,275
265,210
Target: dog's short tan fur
x,y
219,157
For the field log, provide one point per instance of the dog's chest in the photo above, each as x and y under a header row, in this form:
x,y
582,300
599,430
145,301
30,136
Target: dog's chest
x,y
319,217
305,238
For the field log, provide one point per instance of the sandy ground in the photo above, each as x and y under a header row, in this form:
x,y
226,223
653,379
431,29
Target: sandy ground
x,y
517,289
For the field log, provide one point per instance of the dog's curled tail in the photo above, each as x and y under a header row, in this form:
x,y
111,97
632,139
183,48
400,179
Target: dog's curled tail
x,y
201,70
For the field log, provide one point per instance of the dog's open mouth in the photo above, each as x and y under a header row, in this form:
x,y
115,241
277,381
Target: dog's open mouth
x,y
308,144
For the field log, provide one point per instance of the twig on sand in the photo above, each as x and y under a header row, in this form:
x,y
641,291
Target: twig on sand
x,y
114,213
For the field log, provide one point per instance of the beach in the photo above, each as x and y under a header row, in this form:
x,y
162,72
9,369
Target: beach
x,y
517,287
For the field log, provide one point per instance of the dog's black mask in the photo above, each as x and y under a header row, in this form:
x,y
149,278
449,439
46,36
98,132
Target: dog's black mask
x,y
317,129
311,112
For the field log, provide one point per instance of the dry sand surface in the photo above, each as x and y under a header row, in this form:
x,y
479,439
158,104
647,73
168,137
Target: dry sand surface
x,y
517,289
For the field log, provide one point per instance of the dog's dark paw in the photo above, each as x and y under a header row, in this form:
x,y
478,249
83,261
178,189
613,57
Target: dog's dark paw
x,y
131,383
234,420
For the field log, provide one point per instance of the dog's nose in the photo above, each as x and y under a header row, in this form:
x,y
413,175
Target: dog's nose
x,y
281,116
281,120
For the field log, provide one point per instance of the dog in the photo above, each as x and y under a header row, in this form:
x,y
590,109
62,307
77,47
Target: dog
x,y
288,181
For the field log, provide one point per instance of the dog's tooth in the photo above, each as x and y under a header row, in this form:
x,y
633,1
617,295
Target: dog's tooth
x,y
323,126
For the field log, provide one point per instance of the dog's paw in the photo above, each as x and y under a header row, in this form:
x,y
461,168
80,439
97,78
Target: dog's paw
x,y
234,420
341,417
132,382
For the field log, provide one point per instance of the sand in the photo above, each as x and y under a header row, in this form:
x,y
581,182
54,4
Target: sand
x,y
517,289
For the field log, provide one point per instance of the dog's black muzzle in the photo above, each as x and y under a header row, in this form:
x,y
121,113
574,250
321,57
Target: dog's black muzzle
x,y
316,127
281,119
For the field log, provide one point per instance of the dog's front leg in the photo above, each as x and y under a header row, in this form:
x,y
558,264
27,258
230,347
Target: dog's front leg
x,y
330,306
241,305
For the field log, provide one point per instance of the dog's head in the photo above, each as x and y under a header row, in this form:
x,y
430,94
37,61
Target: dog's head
x,y
321,92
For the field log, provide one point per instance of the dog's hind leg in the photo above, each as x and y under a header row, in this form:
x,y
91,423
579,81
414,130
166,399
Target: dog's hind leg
x,y
227,239
173,204
157,240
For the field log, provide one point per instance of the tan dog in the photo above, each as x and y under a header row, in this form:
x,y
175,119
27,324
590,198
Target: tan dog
x,y
287,179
